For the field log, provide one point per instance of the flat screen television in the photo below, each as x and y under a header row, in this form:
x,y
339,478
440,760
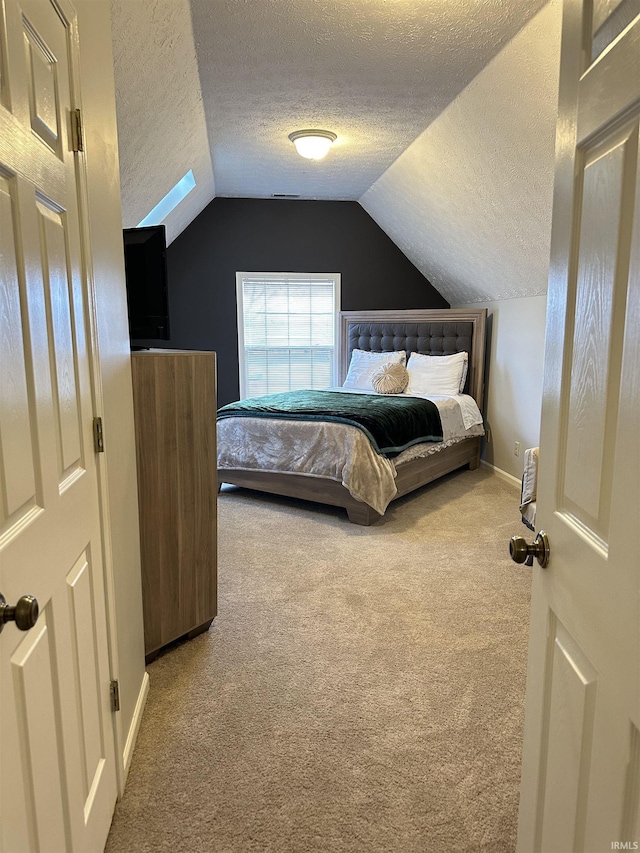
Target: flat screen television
x,y
145,262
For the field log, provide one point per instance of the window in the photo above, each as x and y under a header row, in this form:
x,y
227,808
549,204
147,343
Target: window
x,y
286,331
172,199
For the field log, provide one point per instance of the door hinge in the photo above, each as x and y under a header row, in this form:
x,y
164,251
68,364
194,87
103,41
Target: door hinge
x,y
98,436
115,696
77,133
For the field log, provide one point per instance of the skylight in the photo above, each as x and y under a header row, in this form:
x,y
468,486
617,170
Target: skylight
x,y
170,201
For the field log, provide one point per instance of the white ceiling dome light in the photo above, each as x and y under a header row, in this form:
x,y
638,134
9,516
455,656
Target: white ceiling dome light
x,y
312,144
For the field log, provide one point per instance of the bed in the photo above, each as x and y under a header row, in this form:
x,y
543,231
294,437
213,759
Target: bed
x,y
334,463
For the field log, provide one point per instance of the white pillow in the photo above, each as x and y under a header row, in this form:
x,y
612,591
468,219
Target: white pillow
x,y
436,374
364,364
390,379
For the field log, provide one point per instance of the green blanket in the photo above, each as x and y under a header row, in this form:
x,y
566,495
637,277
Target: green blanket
x,y
391,423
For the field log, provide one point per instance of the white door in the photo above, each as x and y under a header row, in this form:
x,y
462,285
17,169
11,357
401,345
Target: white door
x,y
57,779
581,761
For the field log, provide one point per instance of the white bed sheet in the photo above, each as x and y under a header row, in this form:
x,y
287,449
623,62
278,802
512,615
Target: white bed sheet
x,y
335,451
450,407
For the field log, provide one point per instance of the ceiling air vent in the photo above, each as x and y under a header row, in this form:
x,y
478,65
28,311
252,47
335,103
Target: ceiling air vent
x,y
284,195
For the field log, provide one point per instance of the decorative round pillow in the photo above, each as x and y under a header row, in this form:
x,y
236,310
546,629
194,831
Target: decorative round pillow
x,y
390,379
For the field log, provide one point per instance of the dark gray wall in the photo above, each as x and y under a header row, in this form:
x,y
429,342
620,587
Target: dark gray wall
x,y
264,235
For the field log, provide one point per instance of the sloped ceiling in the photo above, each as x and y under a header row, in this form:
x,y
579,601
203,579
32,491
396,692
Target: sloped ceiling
x,y
469,202
162,130
381,75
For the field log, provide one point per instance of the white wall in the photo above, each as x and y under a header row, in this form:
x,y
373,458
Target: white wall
x,y
513,384
118,464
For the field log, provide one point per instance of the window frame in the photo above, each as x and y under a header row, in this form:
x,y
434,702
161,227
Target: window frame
x,y
289,276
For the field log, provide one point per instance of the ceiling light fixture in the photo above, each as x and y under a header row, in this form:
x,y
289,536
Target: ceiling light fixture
x,y
312,144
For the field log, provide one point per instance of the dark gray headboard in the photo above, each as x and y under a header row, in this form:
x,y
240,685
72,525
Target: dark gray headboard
x,y
431,332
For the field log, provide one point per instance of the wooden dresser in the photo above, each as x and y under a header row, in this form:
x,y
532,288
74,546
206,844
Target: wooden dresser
x,y
174,394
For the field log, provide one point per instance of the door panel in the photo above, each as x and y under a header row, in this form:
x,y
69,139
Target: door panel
x,y
58,290
4,77
42,73
610,18
631,797
33,665
80,583
591,393
18,476
570,697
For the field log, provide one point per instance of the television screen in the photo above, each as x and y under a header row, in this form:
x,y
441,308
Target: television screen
x,y
146,273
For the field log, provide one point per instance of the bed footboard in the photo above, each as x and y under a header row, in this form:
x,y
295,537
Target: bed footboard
x,y
316,489
412,475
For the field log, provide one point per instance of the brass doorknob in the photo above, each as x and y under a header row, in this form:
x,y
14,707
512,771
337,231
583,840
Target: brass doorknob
x,y
522,551
24,614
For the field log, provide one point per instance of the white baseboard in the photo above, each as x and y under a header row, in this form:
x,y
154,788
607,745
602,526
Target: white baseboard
x,y
132,736
507,478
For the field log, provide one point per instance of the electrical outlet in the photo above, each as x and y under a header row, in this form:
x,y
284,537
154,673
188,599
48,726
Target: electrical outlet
x,y
516,448
487,435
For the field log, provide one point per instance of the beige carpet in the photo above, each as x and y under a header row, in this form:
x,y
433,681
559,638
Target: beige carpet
x,y
361,689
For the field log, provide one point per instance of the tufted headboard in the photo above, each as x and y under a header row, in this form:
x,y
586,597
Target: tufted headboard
x,y
428,331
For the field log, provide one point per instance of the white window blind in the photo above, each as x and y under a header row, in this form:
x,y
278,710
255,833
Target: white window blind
x,y
286,331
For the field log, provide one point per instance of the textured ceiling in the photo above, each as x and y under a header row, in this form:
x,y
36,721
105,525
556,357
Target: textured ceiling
x,y
162,131
444,132
248,72
469,202
375,72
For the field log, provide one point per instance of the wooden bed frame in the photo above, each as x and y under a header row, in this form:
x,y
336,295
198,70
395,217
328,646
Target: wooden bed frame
x,y
410,475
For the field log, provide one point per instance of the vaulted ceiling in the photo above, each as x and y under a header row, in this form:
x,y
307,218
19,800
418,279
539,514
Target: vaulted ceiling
x,y
217,88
